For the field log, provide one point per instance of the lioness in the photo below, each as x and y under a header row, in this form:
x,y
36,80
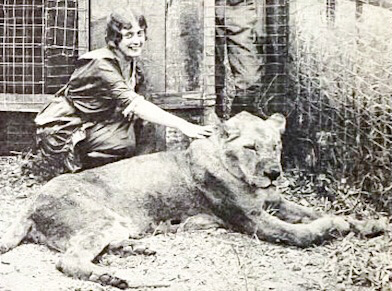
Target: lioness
x,y
229,176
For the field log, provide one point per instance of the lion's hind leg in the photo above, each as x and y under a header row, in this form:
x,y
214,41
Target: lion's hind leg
x,y
85,246
101,227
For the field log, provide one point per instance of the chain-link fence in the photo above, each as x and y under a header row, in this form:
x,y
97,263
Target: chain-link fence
x,y
341,72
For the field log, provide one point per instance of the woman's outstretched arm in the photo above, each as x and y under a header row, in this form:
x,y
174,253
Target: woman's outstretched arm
x,y
152,113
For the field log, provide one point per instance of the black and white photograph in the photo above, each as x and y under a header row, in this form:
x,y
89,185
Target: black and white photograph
x,y
217,145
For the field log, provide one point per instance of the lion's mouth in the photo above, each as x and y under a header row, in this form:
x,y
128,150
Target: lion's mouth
x,y
268,178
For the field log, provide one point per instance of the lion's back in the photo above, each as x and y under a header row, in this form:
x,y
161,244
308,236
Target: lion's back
x,y
143,189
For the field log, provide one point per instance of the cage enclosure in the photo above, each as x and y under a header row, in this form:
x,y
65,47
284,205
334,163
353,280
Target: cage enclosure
x,y
341,72
41,40
199,54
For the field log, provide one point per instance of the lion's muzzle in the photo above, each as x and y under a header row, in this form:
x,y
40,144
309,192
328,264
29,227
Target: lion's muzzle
x,y
273,173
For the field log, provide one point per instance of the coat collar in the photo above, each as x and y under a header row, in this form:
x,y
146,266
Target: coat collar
x,y
102,53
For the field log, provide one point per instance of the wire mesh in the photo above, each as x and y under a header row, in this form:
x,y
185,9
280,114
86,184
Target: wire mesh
x,y
22,28
39,45
40,40
61,42
341,74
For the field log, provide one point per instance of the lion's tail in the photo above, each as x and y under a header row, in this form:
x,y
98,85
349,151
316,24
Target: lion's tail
x,y
16,232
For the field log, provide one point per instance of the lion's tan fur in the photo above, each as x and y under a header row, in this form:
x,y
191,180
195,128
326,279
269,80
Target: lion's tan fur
x,y
229,176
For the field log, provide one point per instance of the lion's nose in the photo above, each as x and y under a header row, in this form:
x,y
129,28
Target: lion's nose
x,y
273,173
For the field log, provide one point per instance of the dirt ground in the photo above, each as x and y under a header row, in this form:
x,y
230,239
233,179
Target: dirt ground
x,y
198,260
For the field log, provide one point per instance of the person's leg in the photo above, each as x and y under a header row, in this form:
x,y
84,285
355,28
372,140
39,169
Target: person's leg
x,y
53,154
105,143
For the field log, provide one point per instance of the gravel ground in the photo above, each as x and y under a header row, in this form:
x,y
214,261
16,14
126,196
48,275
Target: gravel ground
x,y
198,260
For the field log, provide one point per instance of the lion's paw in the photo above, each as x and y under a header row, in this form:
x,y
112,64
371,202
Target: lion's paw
x,y
374,227
127,248
3,248
340,224
369,228
109,280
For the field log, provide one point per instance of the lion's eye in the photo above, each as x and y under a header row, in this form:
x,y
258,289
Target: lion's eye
x,y
250,147
277,148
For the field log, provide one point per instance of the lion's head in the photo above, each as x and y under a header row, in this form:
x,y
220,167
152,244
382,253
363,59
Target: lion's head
x,y
251,148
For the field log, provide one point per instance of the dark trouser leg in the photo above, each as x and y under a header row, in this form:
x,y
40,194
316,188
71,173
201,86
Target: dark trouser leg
x,y
105,143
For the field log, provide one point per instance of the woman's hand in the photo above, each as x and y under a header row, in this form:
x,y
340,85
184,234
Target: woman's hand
x,y
152,113
196,131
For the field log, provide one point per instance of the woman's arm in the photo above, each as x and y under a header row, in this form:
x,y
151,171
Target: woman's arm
x,y
108,76
152,113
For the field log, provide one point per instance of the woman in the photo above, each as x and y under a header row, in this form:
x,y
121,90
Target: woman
x,y
91,120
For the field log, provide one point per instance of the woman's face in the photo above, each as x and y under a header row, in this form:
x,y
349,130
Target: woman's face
x,y
132,42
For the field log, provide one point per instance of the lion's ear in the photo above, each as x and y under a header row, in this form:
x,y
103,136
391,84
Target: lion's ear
x,y
232,134
229,131
278,121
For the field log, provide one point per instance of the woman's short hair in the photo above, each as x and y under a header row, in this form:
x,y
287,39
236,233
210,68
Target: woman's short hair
x,y
121,19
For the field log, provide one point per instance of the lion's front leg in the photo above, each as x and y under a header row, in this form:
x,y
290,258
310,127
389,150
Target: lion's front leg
x,y
370,227
295,213
271,228
284,209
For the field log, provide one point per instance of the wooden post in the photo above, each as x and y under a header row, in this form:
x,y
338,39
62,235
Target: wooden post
x,y
358,9
209,93
330,9
83,26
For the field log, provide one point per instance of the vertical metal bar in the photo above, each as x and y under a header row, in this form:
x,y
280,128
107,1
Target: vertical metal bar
x,y
209,49
165,56
55,21
24,23
33,47
5,39
64,44
44,16
75,31
88,24
286,67
13,48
